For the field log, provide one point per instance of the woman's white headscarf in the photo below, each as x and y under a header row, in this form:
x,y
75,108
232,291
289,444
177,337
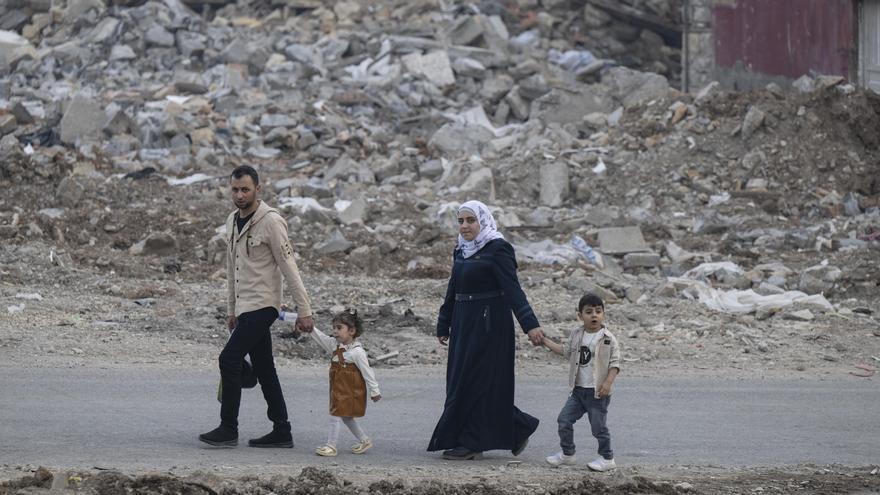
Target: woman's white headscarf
x,y
488,228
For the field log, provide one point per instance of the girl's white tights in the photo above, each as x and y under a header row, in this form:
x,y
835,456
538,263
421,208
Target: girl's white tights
x,y
352,425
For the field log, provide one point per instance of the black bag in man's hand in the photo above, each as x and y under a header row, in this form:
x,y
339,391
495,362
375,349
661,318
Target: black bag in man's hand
x,y
248,379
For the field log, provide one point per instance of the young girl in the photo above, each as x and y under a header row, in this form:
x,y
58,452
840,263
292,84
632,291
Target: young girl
x,y
350,376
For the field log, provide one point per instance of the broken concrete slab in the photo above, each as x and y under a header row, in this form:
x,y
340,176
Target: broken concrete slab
x,y
7,123
434,66
122,52
159,36
460,139
801,315
352,212
268,121
565,107
14,47
753,121
333,244
469,67
641,260
156,244
554,183
106,30
481,179
622,240
84,118
632,87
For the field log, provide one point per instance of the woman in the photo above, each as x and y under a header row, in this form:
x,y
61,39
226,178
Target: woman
x,y
476,321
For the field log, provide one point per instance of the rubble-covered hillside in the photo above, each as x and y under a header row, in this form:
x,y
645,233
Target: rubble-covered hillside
x,y
735,223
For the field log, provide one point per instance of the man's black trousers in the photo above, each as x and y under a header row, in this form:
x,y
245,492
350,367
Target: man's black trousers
x,y
251,337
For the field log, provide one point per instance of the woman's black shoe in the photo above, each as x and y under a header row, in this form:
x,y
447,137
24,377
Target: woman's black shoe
x,y
461,454
519,448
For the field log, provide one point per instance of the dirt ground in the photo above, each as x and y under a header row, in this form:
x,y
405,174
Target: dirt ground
x,y
513,479
94,318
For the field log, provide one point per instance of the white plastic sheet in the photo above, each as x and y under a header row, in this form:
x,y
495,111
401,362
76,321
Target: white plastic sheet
x,y
547,252
192,179
740,301
477,116
300,204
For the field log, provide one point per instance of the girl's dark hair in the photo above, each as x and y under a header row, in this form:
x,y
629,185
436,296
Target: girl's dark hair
x,y
590,299
351,318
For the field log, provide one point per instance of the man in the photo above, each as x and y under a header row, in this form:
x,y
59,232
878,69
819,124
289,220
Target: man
x,y
257,256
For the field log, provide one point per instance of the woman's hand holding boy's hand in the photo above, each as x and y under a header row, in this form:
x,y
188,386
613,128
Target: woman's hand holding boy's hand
x,y
443,339
376,398
536,336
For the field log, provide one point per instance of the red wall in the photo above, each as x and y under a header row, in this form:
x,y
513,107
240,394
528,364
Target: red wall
x,y
785,37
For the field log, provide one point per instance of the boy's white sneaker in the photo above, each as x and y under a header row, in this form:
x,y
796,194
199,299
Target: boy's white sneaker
x,y
559,459
602,464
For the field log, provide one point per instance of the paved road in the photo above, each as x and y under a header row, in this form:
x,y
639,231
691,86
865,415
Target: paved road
x,y
148,419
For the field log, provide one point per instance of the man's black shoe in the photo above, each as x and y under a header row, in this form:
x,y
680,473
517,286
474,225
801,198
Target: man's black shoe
x,y
277,439
222,436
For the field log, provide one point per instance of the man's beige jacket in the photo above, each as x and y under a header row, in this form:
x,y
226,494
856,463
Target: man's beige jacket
x,y
256,258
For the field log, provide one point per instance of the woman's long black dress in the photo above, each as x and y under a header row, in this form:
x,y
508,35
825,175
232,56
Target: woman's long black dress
x,y
482,296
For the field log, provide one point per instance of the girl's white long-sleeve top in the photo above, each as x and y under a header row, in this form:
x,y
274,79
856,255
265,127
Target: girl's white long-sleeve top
x,y
353,353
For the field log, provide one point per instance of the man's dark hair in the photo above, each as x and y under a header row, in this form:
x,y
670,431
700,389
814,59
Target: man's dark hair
x,y
242,170
590,299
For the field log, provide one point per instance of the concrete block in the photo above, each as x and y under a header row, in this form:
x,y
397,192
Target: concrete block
x,y
641,260
434,67
622,240
84,118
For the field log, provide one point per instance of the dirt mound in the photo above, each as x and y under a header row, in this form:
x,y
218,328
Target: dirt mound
x,y
805,480
792,154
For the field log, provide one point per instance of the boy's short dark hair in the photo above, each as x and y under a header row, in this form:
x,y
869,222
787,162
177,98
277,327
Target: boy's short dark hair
x,y
590,299
242,170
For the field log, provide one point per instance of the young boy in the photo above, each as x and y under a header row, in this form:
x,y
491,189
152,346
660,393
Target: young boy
x,y
594,357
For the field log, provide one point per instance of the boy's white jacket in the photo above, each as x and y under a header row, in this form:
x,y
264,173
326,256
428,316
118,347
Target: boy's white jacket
x,y
352,353
607,356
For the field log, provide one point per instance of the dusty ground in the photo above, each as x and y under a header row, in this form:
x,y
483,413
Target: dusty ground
x,y
97,319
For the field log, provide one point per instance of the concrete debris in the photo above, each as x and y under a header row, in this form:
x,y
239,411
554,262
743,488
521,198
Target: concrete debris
x,y
622,240
84,118
333,244
633,88
554,183
434,67
157,244
753,121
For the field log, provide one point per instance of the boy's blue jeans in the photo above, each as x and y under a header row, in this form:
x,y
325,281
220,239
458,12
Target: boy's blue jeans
x,y
582,401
